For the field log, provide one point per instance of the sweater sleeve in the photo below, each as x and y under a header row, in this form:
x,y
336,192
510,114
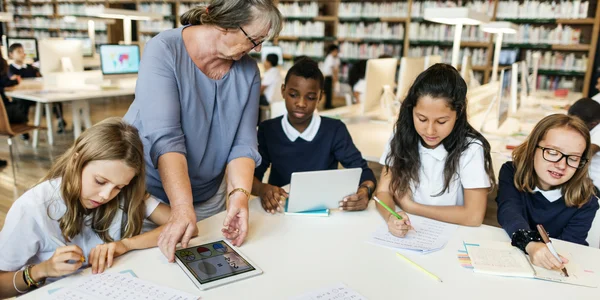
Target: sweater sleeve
x,y
511,214
259,172
578,226
348,155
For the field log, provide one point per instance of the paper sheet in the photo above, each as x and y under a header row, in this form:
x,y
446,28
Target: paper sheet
x,y
430,235
334,292
118,287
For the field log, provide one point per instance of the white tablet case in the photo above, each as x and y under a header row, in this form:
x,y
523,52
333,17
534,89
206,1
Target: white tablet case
x,y
321,189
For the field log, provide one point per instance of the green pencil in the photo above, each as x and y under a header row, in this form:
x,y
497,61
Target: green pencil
x,y
387,207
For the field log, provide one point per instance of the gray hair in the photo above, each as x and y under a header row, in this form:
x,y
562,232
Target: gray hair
x,y
232,14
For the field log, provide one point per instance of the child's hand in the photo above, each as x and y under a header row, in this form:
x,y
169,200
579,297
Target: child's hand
x,y
102,256
397,227
16,77
58,265
358,201
541,256
270,198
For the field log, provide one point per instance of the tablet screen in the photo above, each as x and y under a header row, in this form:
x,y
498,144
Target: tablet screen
x,y
213,261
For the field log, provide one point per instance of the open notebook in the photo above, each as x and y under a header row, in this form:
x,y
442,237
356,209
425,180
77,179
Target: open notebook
x,y
501,258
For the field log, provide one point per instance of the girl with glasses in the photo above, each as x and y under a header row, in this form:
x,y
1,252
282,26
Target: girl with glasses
x,y
547,183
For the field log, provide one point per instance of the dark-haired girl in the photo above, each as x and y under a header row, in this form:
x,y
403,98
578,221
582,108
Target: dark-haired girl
x,y
437,165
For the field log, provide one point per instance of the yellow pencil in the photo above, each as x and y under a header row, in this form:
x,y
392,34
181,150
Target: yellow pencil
x,y
419,267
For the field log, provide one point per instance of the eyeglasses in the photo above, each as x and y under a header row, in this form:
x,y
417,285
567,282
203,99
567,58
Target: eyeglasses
x,y
250,39
552,155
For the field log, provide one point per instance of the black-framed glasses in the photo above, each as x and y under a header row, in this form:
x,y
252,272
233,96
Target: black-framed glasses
x,y
553,155
255,44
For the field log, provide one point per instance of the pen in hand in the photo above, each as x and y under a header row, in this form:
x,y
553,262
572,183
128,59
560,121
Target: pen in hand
x,y
548,243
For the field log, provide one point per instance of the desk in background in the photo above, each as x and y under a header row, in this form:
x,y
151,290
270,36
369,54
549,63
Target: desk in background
x,y
44,94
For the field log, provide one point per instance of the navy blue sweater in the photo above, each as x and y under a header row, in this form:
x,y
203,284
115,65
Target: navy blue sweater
x,y
523,210
332,145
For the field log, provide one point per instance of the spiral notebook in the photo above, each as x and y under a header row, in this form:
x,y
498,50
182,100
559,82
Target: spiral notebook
x,y
502,259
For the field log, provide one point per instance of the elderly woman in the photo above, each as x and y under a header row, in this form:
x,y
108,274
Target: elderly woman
x,y
196,108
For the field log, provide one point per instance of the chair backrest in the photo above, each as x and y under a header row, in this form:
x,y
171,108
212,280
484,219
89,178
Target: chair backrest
x,y
277,109
5,128
593,237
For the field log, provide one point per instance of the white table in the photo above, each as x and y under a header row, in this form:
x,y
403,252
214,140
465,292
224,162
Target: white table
x,y
298,254
45,95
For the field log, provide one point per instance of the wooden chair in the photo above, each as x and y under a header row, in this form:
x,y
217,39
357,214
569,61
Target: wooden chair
x,y
10,131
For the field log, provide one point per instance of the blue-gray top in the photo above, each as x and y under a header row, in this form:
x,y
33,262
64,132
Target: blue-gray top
x,y
177,108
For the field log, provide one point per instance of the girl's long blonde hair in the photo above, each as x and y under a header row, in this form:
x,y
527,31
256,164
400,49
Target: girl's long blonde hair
x,y
579,189
111,139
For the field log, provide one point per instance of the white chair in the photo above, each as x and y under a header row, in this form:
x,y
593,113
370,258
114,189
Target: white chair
x,y
593,237
277,109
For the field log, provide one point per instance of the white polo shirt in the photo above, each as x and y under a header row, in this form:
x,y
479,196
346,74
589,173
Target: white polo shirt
x,y
330,64
594,168
33,218
470,175
272,80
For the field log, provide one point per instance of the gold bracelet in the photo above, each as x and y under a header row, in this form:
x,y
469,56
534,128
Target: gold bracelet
x,y
239,190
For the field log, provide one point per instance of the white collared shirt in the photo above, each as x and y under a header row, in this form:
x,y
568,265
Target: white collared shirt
x,y
594,168
596,97
34,217
272,80
309,133
19,67
470,175
550,195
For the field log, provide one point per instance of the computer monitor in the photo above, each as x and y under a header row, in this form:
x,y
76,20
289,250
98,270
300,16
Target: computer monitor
x,y
58,55
410,68
88,49
266,50
504,95
380,72
119,59
30,46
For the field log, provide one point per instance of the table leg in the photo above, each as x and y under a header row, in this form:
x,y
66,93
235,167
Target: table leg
x,y
36,121
87,120
76,107
49,124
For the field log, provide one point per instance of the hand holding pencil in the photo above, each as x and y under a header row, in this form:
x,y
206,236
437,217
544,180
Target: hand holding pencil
x,y
398,222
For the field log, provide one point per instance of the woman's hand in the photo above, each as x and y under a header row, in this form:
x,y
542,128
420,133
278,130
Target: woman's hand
x,y
235,226
397,227
64,261
541,256
270,198
180,227
101,257
358,201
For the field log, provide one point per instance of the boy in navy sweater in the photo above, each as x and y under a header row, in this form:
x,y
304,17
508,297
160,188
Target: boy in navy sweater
x,y
547,183
301,140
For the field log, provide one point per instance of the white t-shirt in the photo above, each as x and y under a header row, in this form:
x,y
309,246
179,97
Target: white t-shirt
x,y
594,168
361,87
471,175
330,64
272,80
24,239
597,98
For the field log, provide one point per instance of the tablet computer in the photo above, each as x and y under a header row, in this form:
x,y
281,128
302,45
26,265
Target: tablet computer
x,y
215,264
319,190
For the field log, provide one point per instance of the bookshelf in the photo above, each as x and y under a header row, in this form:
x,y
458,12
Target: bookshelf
x,y
367,29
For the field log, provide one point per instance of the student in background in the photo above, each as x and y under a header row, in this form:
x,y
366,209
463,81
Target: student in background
x,y
547,183
331,68
16,111
356,79
16,52
271,81
588,111
90,206
436,165
301,140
